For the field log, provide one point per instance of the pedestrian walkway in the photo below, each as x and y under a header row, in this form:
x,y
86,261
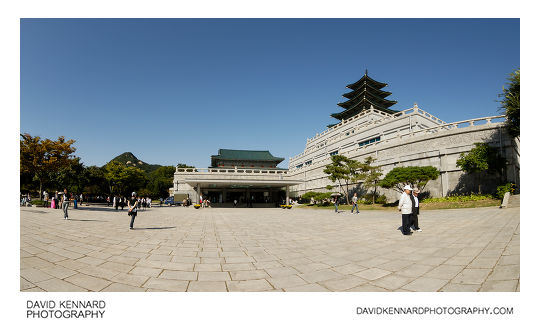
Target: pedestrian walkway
x,y
183,249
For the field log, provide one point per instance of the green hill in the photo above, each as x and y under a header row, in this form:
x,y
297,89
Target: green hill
x,y
129,159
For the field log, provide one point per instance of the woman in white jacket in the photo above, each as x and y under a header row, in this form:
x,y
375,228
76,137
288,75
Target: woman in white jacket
x,y
405,206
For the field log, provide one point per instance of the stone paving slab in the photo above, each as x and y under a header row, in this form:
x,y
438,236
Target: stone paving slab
x,y
183,249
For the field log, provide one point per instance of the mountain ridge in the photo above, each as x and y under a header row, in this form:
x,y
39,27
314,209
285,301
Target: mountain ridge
x,y
130,160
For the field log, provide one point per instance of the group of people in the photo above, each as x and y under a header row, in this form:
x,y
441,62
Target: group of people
x,y
409,205
119,201
57,200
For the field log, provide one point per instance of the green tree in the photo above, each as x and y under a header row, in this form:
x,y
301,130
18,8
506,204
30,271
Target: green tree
x,y
343,170
124,179
160,181
42,157
481,158
370,175
95,181
398,177
316,196
510,104
71,177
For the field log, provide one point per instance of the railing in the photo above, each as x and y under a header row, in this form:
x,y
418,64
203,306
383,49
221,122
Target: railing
x,y
443,127
243,171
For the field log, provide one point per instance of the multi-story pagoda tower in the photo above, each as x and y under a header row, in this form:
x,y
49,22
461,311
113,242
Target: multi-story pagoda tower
x,y
366,93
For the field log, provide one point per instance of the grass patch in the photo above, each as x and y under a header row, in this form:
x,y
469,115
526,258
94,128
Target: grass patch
x,y
347,207
481,203
459,205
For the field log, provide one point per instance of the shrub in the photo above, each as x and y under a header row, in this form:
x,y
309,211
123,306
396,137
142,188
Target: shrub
x,y
381,199
459,198
508,187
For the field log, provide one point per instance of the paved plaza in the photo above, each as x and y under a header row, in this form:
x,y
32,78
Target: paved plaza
x,y
226,249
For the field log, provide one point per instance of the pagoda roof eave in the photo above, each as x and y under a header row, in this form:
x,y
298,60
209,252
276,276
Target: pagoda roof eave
x,y
365,78
360,91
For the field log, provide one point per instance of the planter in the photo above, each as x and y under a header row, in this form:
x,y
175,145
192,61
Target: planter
x,y
196,206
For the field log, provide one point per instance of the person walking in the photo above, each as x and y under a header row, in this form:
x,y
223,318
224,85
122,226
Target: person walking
x,y
132,208
65,203
415,211
234,202
336,203
355,203
405,206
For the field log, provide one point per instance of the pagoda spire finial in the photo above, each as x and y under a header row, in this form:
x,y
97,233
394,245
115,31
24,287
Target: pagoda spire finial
x,y
366,72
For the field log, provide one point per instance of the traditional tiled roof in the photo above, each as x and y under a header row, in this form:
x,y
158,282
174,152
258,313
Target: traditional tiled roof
x,y
246,155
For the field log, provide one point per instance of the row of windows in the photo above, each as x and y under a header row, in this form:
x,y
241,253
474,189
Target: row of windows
x,y
363,143
333,153
307,163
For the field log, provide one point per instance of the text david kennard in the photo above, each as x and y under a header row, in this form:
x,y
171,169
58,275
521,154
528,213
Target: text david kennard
x,y
65,308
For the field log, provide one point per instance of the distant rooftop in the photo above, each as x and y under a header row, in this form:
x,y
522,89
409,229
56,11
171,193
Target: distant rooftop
x,y
245,155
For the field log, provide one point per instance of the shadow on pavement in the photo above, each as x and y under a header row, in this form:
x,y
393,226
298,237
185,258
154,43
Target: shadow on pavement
x,y
153,228
86,220
97,209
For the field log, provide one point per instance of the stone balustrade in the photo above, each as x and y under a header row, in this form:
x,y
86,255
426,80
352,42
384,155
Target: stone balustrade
x,y
226,171
491,120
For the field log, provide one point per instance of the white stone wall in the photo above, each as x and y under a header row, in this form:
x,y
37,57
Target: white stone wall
x,y
440,149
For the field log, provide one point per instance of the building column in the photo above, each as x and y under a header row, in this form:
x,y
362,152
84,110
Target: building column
x,y
198,193
287,194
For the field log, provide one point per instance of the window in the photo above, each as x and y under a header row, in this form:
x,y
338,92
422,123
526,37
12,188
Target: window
x,y
299,166
333,153
308,162
372,140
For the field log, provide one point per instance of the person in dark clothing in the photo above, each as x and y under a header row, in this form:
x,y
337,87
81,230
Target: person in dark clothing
x,y
415,210
132,206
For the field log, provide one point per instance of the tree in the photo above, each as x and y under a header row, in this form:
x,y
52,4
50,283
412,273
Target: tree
x,y
95,181
510,104
370,175
161,180
124,179
398,177
343,170
316,196
71,177
481,158
43,157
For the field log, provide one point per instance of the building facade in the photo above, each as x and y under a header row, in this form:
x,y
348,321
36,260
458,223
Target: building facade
x,y
251,178
411,137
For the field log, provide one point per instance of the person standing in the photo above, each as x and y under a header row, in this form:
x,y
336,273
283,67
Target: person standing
x,y
415,211
336,203
45,199
355,203
132,208
234,202
74,196
405,206
65,203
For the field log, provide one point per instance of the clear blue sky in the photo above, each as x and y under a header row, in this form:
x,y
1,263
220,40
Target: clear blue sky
x,y
177,90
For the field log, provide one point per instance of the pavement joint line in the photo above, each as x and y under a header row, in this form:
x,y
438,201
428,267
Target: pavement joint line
x,y
333,247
